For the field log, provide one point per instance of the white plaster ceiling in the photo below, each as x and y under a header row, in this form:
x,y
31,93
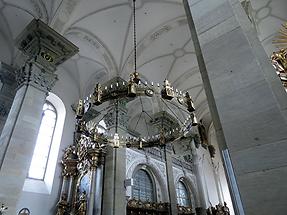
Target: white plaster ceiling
x,y
268,16
102,29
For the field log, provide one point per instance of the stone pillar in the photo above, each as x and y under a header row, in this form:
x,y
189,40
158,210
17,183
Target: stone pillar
x,y
114,193
65,186
70,173
170,183
92,191
7,91
16,146
45,50
70,190
99,190
247,103
96,160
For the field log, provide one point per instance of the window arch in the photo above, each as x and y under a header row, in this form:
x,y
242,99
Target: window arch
x,y
182,194
143,188
45,183
42,149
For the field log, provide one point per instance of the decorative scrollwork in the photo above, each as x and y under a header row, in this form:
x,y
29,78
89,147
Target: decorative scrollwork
x,y
135,206
32,75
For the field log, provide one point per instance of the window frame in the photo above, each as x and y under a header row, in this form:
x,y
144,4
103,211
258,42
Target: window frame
x,y
186,191
51,140
153,186
45,186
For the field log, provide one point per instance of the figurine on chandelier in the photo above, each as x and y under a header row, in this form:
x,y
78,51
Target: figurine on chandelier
x,y
97,95
167,91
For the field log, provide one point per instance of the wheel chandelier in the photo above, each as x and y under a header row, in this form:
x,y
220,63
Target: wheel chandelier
x,y
135,87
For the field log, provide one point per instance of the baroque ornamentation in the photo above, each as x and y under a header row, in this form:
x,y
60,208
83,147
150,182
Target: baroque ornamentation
x,y
44,46
70,162
62,205
184,210
3,209
30,74
279,58
137,207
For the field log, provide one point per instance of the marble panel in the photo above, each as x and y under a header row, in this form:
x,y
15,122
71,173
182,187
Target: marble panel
x,y
221,29
260,158
217,11
245,102
261,128
264,192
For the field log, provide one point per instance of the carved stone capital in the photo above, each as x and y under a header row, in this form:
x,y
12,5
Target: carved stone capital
x,y
31,74
44,46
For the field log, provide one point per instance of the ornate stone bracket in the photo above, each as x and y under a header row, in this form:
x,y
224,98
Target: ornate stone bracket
x,y
30,74
44,46
45,49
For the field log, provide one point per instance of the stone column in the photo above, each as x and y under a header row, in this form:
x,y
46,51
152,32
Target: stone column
x,y
170,182
96,159
247,102
114,193
70,189
70,173
99,188
45,51
92,191
65,186
16,146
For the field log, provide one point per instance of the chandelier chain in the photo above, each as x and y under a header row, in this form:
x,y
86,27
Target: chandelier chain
x,y
117,116
135,36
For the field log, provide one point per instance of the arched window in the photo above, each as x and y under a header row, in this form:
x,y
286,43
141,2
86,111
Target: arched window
x,y
43,144
143,186
45,158
182,194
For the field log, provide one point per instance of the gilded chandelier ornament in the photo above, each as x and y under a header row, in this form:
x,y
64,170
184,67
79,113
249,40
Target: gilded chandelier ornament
x,y
281,39
279,58
3,208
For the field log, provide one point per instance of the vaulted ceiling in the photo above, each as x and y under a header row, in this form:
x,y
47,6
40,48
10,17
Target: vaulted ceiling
x,y
102,29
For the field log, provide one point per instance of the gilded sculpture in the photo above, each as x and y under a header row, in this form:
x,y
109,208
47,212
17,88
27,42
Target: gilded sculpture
x,y
279,58
82,210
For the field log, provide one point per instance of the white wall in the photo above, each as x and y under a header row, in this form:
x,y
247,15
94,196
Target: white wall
x,y
219,174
